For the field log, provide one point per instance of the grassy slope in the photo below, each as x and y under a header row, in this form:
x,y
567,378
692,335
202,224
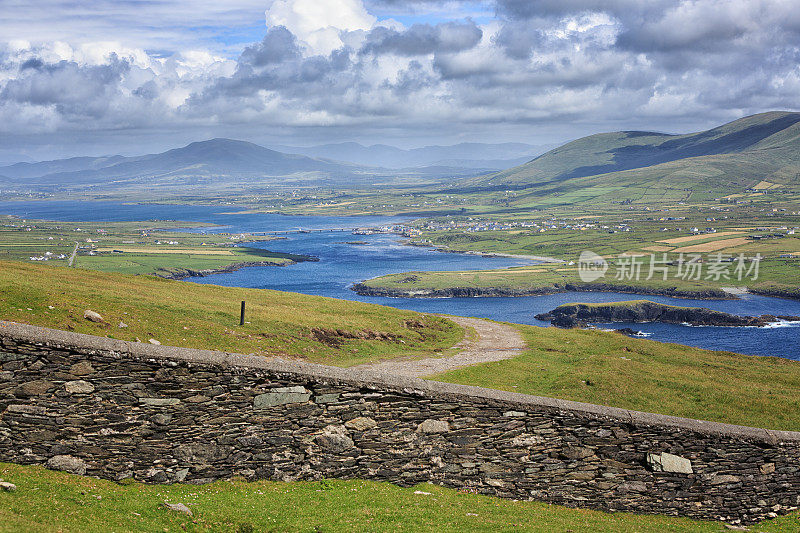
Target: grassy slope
x,y
55,501
207,316
643,375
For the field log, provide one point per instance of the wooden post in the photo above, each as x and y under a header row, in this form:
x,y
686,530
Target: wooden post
x,y
241,320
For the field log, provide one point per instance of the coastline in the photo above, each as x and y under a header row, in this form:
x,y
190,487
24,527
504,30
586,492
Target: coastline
x,y
184,273
488,292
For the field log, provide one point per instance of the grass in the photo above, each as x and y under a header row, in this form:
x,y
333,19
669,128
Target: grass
x,y
314,328
131,247
54,501
612,369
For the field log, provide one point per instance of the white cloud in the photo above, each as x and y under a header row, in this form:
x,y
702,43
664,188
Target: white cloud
x,y
318,23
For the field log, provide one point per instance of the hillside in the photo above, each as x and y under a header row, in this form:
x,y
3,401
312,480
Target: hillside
x,y
725,159
207,160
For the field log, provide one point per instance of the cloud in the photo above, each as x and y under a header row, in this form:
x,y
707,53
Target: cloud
x,y
345,68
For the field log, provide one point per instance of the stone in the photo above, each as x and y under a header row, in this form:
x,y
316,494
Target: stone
x,y
6,375
281,396
180,475
84,368
78,387
334,439
577,452
361,423
67,463
34,388
525,440
159,402
514,414
327,398
767,468
721,479
178,508
667,462
8,487
92,316
431,426
122,325
153,341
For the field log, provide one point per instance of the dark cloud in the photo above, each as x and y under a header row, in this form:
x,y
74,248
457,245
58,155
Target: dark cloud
x,y
422,39
278,45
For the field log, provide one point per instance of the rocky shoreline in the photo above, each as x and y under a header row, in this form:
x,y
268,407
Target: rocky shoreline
x,y
479,292
183,273
580,315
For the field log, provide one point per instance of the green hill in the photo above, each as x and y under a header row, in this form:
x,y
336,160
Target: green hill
x,y
728,159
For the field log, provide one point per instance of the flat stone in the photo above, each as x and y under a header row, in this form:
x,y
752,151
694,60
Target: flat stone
x,y
6,375
720,479
84,368
525,440
92,316
433,426
8,487
282,396
159,402
667,462
78,387
327,398
67,463
513,414
767,468
153,341
178,508
362,423
180,475
34,388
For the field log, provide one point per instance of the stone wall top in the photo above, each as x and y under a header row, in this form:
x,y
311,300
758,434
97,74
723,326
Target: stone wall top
x,y
90,344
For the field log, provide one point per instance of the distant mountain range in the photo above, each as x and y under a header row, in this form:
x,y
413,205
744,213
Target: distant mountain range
x,y
463,155
217,163
736,155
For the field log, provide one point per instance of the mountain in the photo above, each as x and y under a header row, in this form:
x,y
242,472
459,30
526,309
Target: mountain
x,y
464,155
763,145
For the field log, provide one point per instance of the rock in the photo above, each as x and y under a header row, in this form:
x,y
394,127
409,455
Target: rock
x,y
334,439
361,423
577,452
525,440
78,387
159,402
433,426
666,462
6,375
327,398
767,468
720,479
67,463
178,508
8,487
84,368
91,316
422,492
34,388
180,475
514,414
153,341
122,325
281,396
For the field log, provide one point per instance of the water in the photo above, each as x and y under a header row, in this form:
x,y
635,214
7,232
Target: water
x,y
343,264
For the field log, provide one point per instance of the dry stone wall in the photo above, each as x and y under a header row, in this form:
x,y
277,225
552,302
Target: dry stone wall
x,y
118,410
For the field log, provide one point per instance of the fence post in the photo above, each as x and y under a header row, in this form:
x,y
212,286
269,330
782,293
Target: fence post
x,y
241,320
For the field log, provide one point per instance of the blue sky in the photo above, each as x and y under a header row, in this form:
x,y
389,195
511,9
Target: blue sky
x,y
131,76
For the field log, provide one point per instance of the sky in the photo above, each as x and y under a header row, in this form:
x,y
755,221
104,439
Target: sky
x,y
95,77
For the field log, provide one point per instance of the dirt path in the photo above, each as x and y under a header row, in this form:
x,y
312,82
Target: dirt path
x,y
494,342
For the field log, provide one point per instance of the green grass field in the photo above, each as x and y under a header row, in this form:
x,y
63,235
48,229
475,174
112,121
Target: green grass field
x,y
323,330
48,501
130,247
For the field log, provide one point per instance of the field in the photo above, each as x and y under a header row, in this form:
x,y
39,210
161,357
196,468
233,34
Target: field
x,y
313,328
130,247
612,369
54,501
615,238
